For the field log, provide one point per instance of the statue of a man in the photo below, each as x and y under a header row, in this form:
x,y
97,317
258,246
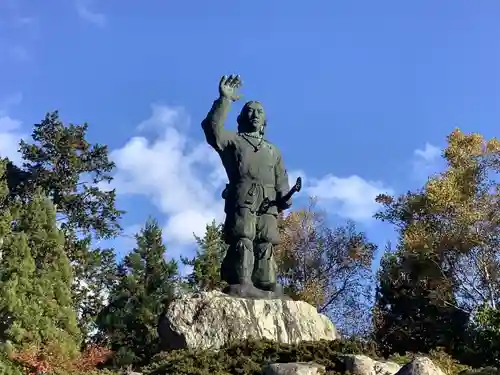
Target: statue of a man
x,y
255,171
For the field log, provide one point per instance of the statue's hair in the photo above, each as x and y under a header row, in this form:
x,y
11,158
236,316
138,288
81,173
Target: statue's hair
x,y
241,123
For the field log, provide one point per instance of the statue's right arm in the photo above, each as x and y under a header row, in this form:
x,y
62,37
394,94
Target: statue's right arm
x,y
213,125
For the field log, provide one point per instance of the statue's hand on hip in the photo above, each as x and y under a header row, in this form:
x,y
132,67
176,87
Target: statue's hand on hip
x,y
228,87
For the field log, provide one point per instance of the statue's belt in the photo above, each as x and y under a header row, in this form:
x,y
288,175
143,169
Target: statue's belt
x,y
252,187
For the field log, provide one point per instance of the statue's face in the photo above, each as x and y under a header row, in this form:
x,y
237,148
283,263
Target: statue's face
x,y
254,116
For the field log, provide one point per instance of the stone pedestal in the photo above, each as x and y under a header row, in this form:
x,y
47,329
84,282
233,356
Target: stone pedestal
x,y
211,320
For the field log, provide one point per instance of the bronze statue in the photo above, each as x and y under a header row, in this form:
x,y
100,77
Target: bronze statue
x,y
257,192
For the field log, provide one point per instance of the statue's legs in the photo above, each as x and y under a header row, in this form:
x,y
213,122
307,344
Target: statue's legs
x,y
249,267
264,270
238,264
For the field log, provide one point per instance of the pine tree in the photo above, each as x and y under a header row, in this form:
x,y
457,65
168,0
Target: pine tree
x,y
35,279
205,275
145,281
415,308
16,275
61,161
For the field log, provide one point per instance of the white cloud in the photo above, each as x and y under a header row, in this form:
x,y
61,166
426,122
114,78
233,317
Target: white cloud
x,y
426,161
86,13
349,197
9,138
184,178
10,130
430,153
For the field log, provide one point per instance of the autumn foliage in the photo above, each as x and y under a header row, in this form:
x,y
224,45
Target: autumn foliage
x,y
35,360
329,268
447,260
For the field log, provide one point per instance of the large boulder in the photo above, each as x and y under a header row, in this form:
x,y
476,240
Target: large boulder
x,y
357,364
420,366
210,320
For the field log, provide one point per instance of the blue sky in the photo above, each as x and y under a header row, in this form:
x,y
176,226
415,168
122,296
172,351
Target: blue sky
x,y
360,94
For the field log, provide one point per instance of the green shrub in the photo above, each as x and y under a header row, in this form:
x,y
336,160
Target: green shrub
x,y
93,372
481,371
7,367
443,360
248,357
401,359
446,362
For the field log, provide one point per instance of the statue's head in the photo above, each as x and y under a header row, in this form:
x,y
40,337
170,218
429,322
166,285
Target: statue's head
x,y
252,118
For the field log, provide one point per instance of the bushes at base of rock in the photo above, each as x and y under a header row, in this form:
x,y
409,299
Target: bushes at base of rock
x,y
33,360
7,367
443,360
248,358
481,371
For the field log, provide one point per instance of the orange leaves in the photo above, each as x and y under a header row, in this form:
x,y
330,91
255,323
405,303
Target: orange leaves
x,y
35,360
297,256
384,199
454,218
453,202
32,361
91,357
318,264
313,292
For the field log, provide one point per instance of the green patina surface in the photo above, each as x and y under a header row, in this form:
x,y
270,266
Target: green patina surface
x,y
256,173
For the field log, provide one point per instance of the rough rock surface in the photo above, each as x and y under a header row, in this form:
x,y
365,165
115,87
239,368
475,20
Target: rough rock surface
x,y
210,320
420,366
386,368
295,368
363,365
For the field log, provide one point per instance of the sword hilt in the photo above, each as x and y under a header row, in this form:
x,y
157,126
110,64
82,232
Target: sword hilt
x,y
266,203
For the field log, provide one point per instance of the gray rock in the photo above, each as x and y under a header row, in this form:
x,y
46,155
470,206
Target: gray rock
x,y
359,364
362,365
420,366
386,368
297,368
210,320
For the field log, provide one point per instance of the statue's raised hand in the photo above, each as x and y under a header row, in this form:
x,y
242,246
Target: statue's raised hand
x,y
228,87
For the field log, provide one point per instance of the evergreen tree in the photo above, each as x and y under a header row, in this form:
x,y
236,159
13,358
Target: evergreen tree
x,y
415,308
206,264
145,280
35,279
71,171
62,162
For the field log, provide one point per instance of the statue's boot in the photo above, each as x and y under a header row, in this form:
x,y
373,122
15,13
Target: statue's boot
x,y
244,268
264,274
247,290
274,290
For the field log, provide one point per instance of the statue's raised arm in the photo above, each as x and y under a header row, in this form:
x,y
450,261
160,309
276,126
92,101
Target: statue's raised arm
x,y
213,124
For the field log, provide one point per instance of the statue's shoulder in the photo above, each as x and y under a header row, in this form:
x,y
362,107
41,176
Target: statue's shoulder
x,y
270,145
274,150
